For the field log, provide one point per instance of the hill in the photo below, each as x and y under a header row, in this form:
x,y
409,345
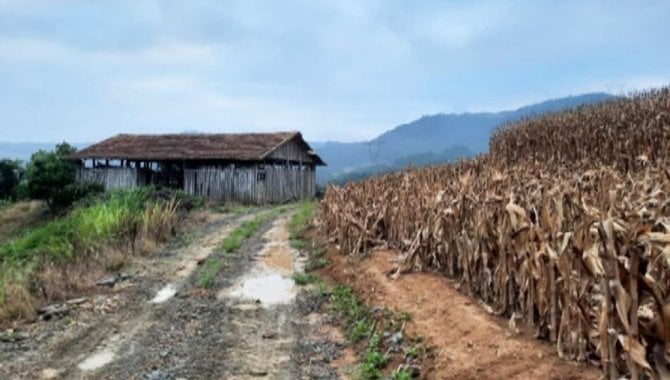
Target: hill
x,y
466,133
430,139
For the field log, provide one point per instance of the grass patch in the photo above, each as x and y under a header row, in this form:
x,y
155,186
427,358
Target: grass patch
x,y
355,313
129,220
17,216
299,223
183,240
234,240
207,274
231,244
305,278
317,263
297,227
4,203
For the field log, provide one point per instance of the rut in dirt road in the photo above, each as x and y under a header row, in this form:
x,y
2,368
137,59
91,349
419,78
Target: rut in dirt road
x,y
224,332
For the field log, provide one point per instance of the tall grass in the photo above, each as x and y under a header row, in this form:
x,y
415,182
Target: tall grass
x,y
123,220
82,231
299,222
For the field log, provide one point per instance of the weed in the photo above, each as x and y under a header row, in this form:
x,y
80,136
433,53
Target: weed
x,y
5,203
183,240
322,289
374,359
300,220
362,323
116,261
356,314
402,374
17,302
305,278
17,216
412,351
207,274
359,330
234,240
298,244
317,263
318,252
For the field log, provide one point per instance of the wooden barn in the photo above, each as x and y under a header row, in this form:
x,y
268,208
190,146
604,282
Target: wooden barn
x,y
246,167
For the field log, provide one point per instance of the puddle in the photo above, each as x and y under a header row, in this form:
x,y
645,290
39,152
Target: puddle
x,y
165,293
96,361
269,280
270,289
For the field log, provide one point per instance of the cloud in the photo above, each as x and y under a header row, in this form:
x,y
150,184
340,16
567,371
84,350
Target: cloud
x,y
344,69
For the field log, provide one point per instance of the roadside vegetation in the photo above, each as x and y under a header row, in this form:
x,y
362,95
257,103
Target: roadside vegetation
x,y
48,177
378,335
16,216
57,258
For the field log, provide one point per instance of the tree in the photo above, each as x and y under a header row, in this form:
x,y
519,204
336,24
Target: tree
x,y
49,173
10,175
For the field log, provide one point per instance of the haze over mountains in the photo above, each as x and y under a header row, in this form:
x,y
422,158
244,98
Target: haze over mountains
x,y
431,139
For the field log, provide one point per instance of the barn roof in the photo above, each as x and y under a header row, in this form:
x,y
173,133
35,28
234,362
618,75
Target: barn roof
x,y
184,147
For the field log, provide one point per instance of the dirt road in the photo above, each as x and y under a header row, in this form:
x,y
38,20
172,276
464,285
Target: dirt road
x,y
158,324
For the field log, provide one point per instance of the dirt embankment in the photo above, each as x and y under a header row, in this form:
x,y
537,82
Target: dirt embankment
x,y
468,342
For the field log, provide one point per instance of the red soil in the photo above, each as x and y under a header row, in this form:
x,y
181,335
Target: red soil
x,y
469,342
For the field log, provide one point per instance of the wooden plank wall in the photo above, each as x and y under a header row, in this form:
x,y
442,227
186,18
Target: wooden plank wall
x,y
242,183
110,178
291,151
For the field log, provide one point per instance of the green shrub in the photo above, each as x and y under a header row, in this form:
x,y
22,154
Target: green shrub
x,y
10,176
48,175
74,192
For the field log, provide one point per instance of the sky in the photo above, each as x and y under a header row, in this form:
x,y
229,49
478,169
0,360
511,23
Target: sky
x,y
343,70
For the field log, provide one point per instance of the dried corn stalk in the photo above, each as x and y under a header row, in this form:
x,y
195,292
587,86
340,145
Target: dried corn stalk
x,y
566,223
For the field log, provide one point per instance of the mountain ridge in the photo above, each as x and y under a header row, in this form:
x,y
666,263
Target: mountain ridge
x,y
429,139
433,134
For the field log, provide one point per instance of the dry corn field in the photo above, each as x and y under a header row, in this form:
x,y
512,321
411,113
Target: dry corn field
x,y
565,226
